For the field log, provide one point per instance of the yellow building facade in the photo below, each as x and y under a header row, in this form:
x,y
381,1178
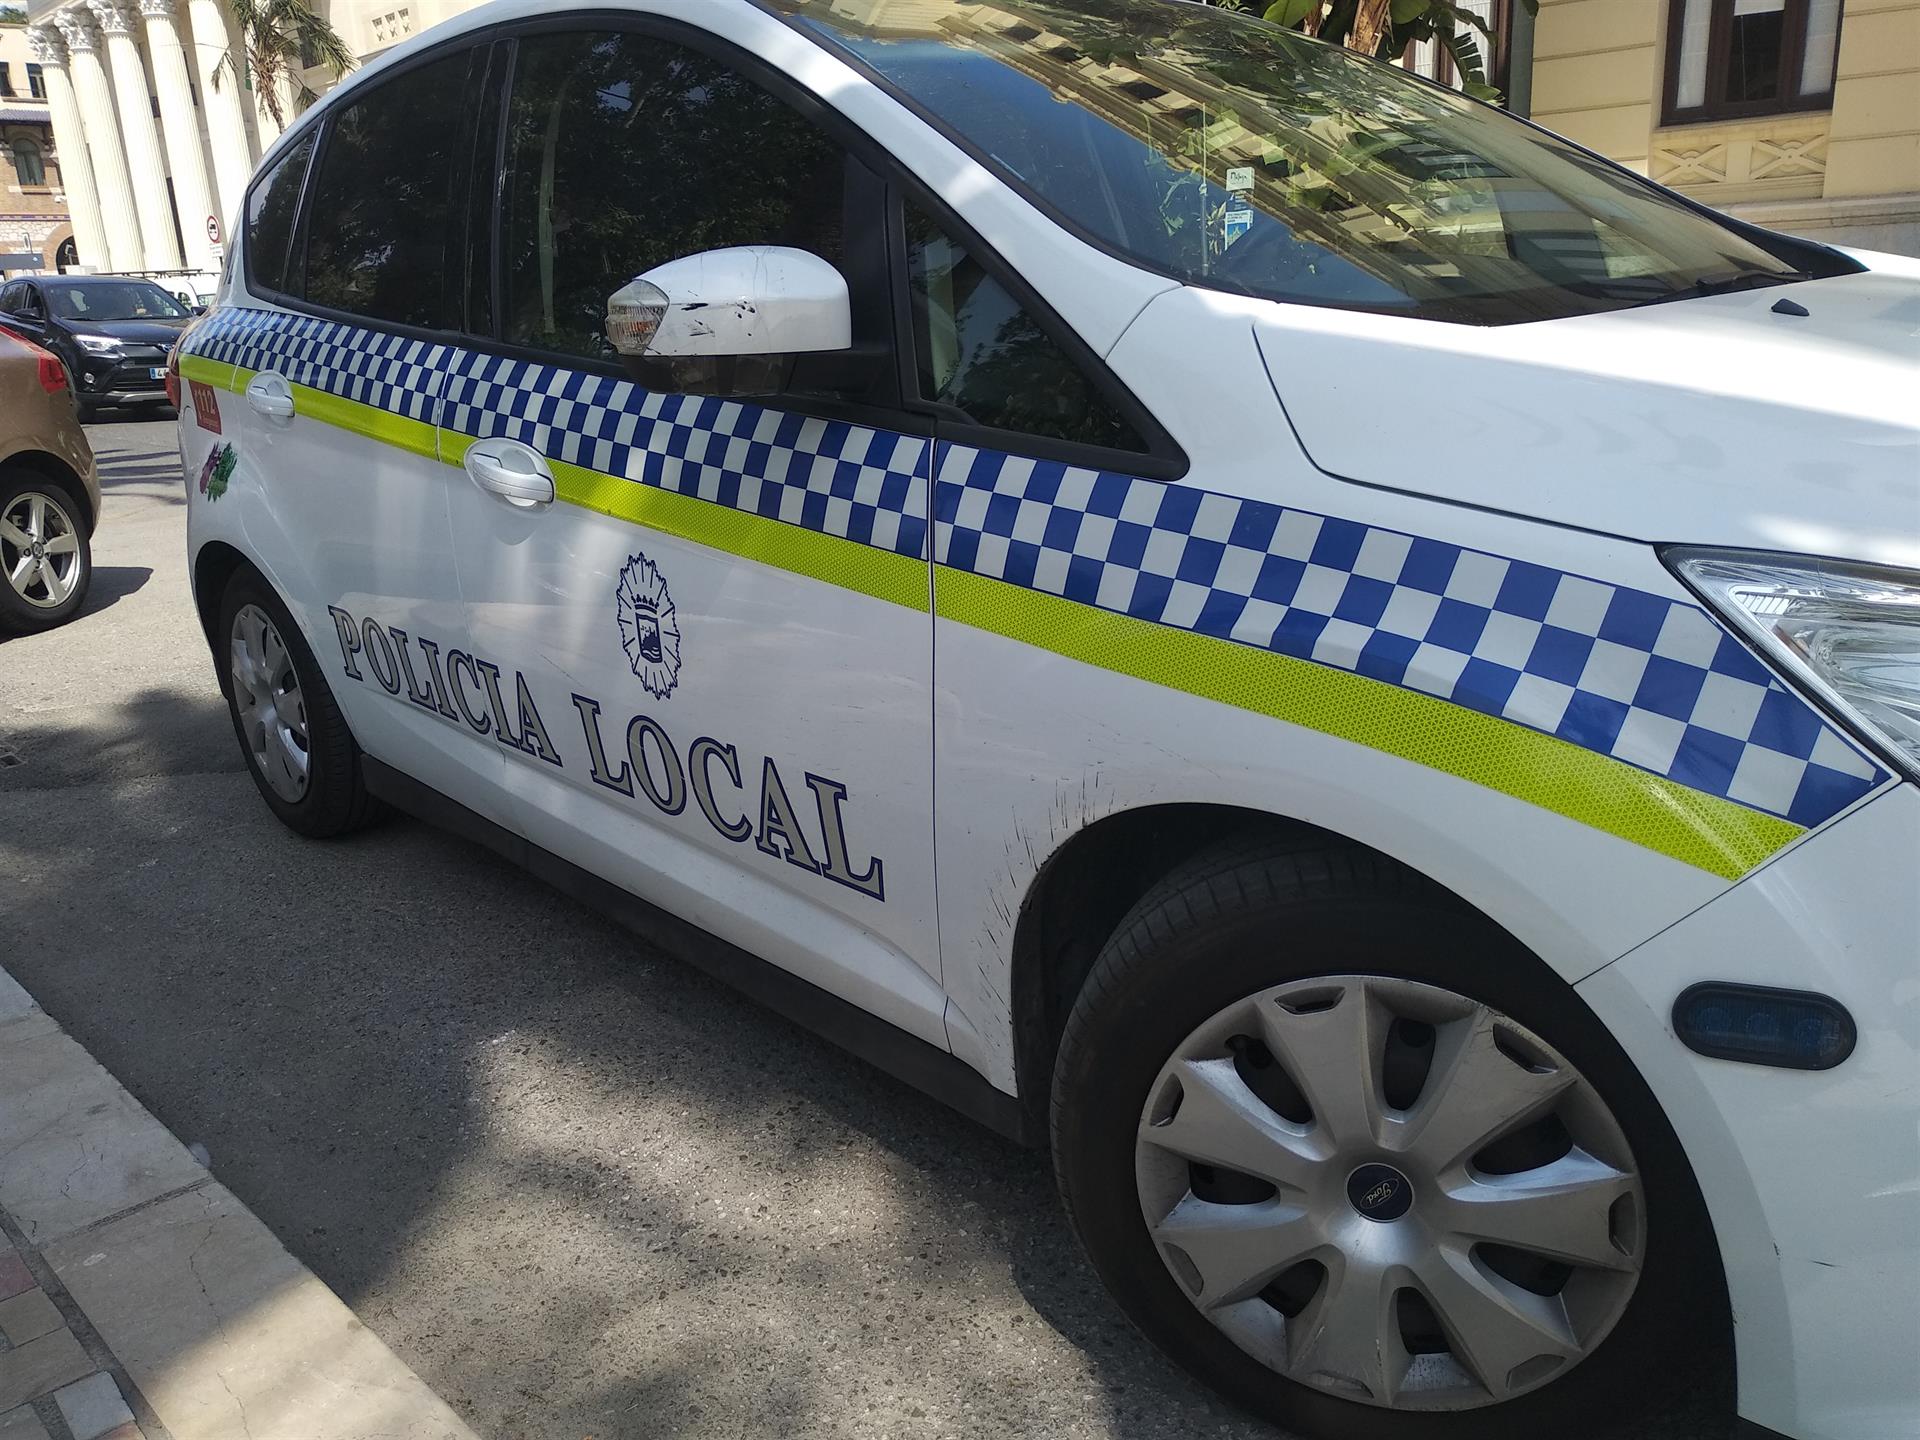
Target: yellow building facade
x,y
1801,115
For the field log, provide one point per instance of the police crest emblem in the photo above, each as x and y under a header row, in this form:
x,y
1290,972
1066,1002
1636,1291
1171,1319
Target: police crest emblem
x,y
649,628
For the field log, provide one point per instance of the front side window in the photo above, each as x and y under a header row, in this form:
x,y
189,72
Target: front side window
x,y
625,151
1728,59
979,350
112,300
380,206
1226,152
270,213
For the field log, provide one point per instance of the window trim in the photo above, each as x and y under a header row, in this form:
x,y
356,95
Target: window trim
x,y
1164,459
320,123
1793,52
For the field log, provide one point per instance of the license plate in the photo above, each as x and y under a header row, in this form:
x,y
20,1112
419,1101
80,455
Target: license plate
x,y
159,372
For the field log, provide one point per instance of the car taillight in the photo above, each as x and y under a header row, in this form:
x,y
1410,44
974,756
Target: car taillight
x,y
53,375
173,375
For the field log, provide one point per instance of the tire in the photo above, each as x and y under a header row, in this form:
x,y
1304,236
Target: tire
x,y
274,722
39,590
1197,959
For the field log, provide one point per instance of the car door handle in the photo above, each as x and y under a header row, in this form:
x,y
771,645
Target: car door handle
x,y
271,396
513,471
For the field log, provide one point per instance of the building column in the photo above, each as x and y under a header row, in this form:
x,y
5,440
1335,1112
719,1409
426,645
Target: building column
x,y
180,125
220,93
158,239
70,148
102,129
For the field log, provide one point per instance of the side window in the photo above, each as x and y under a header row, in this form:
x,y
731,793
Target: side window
x,y
380,206
623,152
979,350
270,211
10,298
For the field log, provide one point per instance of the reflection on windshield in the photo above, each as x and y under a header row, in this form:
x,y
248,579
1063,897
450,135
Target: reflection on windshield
x,y
113,300
1227,152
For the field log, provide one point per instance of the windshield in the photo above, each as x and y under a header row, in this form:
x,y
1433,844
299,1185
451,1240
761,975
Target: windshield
x,y
1227,152
112,300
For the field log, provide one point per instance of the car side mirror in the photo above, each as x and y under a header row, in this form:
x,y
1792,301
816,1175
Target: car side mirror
x,y
729,322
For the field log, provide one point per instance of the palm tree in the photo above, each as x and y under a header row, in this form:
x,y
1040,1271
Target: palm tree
x,y
1384,28
279,40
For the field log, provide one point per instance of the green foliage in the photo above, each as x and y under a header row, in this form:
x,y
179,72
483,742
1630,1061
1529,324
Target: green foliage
x,y
1400,23
12,15
278,40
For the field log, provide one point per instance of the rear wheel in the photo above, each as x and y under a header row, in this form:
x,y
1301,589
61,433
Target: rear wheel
x,y
1344,1150
301,755
46,560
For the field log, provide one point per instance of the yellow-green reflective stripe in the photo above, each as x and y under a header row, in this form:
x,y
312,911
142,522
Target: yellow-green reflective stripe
x,y
848,564
1703,830
414,436
207,372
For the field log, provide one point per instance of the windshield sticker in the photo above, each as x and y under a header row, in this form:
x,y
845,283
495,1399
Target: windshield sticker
x,y
218,470
1240,177
1239,222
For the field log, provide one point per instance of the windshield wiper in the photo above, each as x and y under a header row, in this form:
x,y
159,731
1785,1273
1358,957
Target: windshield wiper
x,y
1734,282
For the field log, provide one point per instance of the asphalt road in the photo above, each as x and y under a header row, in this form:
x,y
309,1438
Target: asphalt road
x,y
581,1189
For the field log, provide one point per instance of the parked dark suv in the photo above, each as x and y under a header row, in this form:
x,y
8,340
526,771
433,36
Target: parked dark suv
x,y
111,332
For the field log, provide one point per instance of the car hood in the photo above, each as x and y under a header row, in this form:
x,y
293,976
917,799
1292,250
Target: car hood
x,y
1715,421
137,332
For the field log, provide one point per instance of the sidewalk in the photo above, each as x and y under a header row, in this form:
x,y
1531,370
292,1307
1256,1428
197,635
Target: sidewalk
x,y
139,1300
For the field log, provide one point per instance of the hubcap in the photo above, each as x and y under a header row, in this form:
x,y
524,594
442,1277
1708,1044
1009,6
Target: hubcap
x,y
1390,1192
39,550
266,692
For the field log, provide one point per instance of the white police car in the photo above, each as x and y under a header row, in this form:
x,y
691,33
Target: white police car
x,y
1347,661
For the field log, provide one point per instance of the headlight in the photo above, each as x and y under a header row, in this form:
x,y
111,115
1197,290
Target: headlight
x,y
98,344
1850,634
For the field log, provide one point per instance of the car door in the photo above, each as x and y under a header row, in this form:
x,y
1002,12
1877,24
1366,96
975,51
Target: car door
x,y
713,645
339,338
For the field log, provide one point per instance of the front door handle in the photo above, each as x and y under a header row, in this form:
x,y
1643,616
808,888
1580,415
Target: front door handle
x,y
514,472
271,396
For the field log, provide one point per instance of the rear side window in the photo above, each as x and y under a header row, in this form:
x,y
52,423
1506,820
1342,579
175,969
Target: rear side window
x,y
979,350
270,213
625,151
379,208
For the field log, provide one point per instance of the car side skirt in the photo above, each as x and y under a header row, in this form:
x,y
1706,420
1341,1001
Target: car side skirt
x,y
927,1068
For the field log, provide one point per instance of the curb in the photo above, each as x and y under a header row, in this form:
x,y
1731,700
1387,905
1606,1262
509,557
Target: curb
x,y
165,1309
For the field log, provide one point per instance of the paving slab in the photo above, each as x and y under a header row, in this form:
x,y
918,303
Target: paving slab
x,y
28,1316
93,1407
77,1147
22,1424
39,1366
258,1348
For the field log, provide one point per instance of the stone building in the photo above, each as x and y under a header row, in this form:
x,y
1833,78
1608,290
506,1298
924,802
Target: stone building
x,y
157,132
34,231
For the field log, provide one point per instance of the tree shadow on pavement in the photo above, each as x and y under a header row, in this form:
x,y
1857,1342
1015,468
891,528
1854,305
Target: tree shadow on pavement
x,y
582,1189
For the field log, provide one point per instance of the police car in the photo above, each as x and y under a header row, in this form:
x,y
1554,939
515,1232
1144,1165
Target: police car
x,y
1346,663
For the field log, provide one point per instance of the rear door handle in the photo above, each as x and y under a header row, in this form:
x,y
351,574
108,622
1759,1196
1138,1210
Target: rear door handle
x,y
513,471
271,396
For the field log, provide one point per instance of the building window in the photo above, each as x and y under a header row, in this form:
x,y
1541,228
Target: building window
x,y
28,162
6,79
36,81
1733,59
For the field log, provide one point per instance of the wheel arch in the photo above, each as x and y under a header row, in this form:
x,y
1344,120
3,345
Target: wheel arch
x,y
50,467
214,565
1083,890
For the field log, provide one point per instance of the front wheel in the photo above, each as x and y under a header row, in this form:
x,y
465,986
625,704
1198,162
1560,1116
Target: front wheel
x,y
1345,1151
301,755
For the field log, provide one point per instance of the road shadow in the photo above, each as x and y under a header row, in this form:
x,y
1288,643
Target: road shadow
x,y
583,1189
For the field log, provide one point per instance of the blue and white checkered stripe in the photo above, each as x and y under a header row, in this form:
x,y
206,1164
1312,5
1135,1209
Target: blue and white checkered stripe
x,y
387,372
851,481
1637,676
